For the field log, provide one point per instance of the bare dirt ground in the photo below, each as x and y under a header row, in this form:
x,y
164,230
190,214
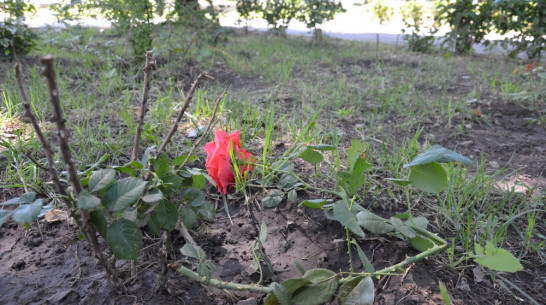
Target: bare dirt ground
x,y
49,264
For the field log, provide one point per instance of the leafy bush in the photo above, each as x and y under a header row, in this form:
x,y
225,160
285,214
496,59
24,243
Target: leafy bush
x,y
413,16
469,21
15,32
528,20
381,11
279,13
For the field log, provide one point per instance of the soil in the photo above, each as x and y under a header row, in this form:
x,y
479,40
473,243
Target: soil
x,y
49,264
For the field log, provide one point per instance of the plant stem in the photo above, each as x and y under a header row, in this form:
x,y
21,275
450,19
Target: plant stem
x,y
87,227
181,113
223,285
206,130
148,68
351,267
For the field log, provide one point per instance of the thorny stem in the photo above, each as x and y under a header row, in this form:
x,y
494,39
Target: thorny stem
x,y
206,130
148,68
223,285
87,228
181,113
349,250
43,140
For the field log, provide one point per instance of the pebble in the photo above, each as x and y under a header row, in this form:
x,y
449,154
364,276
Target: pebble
x,y
494,164
466,143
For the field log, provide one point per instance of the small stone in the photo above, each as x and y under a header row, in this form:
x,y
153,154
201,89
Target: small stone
x,y
468,126
479,273
494,164
466,143
462,284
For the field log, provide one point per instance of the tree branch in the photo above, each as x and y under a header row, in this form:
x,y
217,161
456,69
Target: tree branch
x,y
87,228
148,68
181,113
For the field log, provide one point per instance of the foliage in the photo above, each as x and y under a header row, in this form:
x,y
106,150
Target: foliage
x,y
469,22
279,13
413,17
13,32
383,12
527,19
496,259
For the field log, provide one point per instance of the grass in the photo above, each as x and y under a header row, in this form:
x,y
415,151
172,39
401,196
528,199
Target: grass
x,y
287,92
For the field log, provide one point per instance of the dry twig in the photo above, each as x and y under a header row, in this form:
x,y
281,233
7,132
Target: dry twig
x,y
206,130
87,227
181,113
148,68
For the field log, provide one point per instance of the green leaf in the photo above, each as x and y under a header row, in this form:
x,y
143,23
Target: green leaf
x,y
324,285
401,227
167,215
101,179
496,259
27,213
354,153
292,196
322,147
311,156
100,222
207,210
87,201
363,258
180,159
199,182
162,165
399,182
292,285
194,252
152,196
300,268
356,180
288,182
273,198
4,215
360,294
13,201
373,223
28,197
420,222
131,214
420,243
135,164
430,177
439,154
347,218
315,203
281,293
123,193
188,216
124,238
153,225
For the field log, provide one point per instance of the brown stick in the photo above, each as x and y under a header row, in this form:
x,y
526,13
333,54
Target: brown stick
x,y
181,113
148,68
206,130
43,140
87,228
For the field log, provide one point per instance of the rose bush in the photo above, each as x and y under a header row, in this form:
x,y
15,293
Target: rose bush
x,y
219,162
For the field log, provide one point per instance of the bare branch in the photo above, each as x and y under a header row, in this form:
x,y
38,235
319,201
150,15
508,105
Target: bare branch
x,y
206,130
87,227
181,113
43,140
148,68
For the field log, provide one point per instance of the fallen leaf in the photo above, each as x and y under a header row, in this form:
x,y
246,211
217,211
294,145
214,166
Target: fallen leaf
x,y
56,215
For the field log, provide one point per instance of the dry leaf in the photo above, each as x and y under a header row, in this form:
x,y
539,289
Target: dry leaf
x,y
56,215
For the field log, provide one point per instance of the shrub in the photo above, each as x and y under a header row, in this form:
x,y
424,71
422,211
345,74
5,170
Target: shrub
x,y
469,21
528,20
413,17
15,32
279,13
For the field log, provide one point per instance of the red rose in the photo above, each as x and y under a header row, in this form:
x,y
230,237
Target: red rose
x,y
218,161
